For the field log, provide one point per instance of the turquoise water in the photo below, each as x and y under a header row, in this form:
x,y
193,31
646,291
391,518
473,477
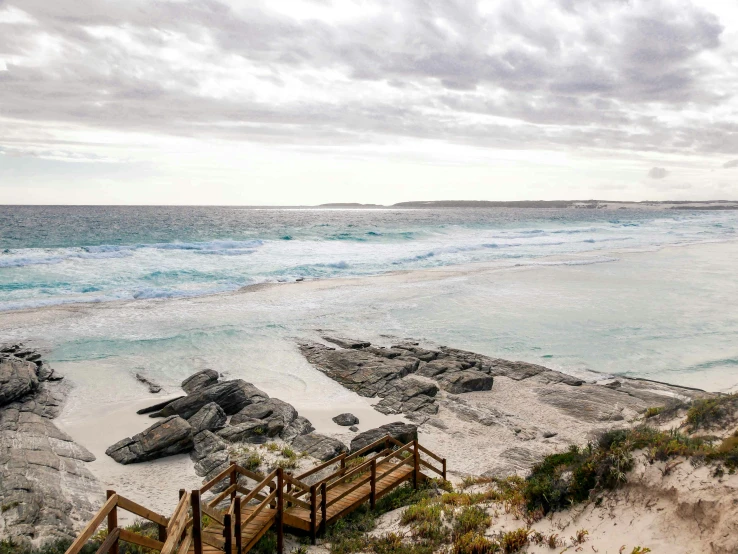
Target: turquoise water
x,y
648,294
59,255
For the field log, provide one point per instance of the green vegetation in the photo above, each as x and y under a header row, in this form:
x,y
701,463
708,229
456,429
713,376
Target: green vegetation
x,y
653,412
712,412
246,457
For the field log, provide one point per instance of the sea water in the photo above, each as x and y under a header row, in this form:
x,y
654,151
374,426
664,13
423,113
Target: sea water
x,y
165,291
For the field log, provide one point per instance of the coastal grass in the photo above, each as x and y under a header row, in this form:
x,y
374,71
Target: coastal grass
x,y
714,412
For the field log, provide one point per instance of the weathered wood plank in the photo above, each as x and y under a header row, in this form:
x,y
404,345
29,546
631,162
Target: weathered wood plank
x,y
92,526
140,540
137,509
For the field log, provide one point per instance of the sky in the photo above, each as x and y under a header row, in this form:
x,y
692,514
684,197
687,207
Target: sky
x,y
264,102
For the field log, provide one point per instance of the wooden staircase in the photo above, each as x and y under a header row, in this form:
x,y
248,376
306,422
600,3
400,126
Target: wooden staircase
x,y
237,517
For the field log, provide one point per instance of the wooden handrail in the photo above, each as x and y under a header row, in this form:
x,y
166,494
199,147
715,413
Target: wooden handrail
x,y
140,540
222,475
267,480
178,525
429,466
396,453
94,523
244,490
436,457
358,469
321,466
140,511
369,447
260,507
295,482
296,501
184,547
250,474
218,499
109,541
406,461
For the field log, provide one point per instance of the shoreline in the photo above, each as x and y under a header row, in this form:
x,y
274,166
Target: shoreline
x,y
417,274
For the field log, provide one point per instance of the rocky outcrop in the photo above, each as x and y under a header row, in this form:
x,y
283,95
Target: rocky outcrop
x,y
319,446
167,437
345,420
210,417
200,380
467,380
45,489
17,379
277,415
403,432
231,396
409,395
251,430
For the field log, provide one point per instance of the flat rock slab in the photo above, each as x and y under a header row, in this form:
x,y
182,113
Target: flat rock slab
x,y
467,380
167,437
319,446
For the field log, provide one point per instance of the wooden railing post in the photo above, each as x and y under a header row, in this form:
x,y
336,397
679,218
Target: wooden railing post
x,y
237,526
234,480
228,534
444,468
324,506
313,514
271,490
373,497
416,455
386,442
280,511
181,493
113,523
196,522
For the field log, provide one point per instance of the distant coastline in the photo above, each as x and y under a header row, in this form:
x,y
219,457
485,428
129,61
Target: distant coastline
x,y
581,204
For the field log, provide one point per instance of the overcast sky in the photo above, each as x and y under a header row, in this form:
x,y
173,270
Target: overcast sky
x,y
310,101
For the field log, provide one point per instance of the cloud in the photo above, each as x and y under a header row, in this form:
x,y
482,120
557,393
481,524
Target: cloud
x,y
657,173
610,77
731,163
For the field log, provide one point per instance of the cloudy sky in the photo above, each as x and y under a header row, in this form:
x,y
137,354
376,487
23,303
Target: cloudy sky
x,y
310,101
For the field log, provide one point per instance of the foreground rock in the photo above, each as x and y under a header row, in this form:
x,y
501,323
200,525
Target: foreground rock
x,y
210,417
170,436
319,446
45,489
403,432
200,380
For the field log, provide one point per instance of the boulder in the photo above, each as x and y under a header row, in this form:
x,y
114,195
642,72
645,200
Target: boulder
x,y
300,426
409,395
252,430
210,417
158,406
200,380
353,428
319,446
274,412
167,437
154,388
348,343
231,396
210,455
403,432
17,379
346,420
468,380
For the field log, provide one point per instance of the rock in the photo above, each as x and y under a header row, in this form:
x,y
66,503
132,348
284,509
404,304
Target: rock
x,y
200,380
170,436
468,380
485,416
358,370
403,432
353,428
437,367
232,396
300,426
17,379
210,417
253,431
157,407
210,454
319,446
548,434
277,415
348,343
153,387
346,420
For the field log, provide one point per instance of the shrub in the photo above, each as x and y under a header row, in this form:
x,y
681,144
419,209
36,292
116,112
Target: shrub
x,y
474,543
709,412
471,518
423,511
514,541
653,412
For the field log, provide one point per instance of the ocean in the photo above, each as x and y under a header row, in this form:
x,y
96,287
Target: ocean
x,y
112,291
